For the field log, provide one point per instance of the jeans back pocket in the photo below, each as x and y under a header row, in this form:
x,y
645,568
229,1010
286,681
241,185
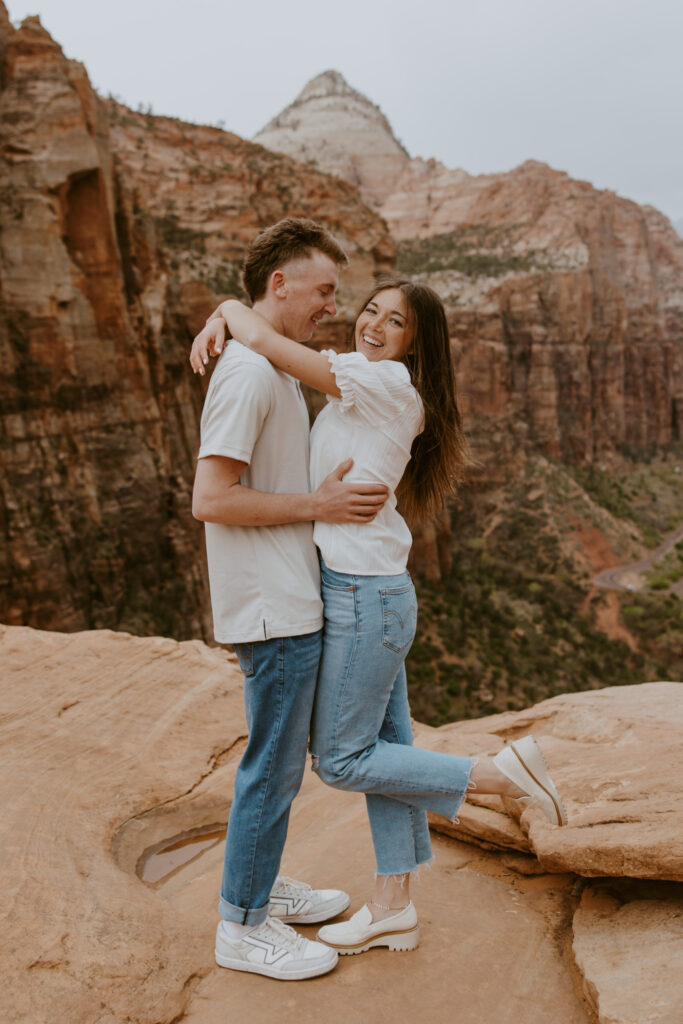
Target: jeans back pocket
x,y
399,617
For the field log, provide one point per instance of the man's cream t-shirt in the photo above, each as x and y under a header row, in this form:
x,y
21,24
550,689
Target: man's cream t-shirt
x,y
265,580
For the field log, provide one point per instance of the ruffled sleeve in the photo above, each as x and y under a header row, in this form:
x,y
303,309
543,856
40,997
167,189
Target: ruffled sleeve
x,y
380,392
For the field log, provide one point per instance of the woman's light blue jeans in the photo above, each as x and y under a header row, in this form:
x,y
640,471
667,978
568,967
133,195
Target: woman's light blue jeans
x,y
361,737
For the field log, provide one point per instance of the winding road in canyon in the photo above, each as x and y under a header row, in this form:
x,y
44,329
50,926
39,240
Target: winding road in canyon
x,y
632,577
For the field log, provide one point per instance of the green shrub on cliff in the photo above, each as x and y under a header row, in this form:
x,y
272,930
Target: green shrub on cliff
x,y
514,620
476,251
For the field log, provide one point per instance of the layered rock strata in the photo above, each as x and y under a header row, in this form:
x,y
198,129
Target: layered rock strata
x,y
119,231
125,745
565,302
565,307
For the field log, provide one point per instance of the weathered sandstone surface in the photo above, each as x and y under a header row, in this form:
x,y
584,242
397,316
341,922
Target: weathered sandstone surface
x,y
113,745
615,755
118,233
628,944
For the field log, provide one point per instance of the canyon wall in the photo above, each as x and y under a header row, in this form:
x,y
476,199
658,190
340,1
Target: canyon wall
x,y
119,230
565,302
565,307
118,234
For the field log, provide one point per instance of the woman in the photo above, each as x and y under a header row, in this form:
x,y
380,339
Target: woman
x,y
392,408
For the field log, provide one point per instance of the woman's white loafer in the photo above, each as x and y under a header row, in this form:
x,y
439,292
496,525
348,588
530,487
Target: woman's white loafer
x,y
360,932
523,763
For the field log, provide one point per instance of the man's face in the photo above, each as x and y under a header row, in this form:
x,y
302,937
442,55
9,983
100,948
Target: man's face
x,y
309,286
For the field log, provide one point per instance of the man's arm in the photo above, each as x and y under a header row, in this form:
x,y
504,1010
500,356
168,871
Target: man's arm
x,y
218,497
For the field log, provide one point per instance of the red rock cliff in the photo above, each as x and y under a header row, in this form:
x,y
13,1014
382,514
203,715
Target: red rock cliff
x,y
565,302
114,243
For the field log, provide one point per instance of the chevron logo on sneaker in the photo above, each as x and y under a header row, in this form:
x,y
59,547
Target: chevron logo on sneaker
x,y
272,952
298,902
289,904
275,950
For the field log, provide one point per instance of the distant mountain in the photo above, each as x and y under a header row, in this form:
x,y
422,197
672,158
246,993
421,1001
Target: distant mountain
x,y
678,224
342,132
565,301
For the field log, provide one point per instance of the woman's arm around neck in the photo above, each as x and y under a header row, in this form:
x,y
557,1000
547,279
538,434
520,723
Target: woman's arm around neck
x,y
253,330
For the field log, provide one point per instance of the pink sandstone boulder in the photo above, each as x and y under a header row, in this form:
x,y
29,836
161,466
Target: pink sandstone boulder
x,y
628,945
616,757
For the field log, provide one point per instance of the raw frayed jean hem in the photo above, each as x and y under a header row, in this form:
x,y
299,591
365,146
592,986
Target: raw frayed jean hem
x,y
470,787
239,915
414,872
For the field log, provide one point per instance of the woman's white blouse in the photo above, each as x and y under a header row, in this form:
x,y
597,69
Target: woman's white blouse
x,y
375,423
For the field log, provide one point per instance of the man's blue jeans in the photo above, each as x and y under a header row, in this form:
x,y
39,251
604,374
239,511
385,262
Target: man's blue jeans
x,y
361,736
279,686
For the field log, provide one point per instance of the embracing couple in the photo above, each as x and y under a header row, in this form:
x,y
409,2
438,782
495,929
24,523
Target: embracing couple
x,y
286,522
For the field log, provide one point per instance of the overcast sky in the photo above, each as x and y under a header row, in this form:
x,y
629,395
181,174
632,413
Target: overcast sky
x,y
593,87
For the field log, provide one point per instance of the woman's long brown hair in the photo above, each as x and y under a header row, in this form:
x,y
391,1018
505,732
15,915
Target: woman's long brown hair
x,y
440,454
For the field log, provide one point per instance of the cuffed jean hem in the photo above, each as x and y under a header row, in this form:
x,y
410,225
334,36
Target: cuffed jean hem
x,y
254,916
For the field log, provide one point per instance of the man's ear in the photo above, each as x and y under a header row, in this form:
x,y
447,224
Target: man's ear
x,y
278,284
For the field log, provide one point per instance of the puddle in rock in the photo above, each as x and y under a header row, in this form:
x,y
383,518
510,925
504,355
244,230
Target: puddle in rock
x,y
158,863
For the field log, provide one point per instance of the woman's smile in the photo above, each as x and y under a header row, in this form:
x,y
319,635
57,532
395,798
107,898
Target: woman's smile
x,y
384,329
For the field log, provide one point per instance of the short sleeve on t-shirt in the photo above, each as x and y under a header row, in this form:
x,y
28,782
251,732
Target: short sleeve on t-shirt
x,y
235,409
379,392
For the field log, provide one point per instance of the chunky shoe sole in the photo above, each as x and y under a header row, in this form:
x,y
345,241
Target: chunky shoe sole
x,y
316,916
235,964
523,763
397,942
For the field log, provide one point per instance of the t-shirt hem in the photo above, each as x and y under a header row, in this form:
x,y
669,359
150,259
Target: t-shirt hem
x,y
251,636
387,570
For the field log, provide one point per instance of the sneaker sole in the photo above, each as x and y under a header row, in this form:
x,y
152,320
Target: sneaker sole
x,y
397,942
233,964
534,764
315,917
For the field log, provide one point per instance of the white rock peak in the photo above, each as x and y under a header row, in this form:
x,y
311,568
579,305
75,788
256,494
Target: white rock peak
x,y
328,83
341,131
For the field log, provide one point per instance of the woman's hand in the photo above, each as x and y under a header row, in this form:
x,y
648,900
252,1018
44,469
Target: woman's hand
x,y
255,332
209,342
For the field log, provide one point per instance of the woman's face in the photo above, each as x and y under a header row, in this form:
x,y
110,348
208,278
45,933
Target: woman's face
x,y
384,330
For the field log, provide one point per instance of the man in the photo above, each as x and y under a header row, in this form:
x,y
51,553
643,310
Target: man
x,y
252,492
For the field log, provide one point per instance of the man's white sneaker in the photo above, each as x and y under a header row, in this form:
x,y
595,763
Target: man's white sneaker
x,y
523,763
276,950
296,902
361,933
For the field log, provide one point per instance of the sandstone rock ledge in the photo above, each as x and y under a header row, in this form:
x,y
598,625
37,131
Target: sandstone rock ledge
x,y
112,744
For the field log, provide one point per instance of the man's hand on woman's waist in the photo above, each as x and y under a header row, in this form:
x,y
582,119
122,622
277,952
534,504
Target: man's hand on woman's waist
x,y
339,502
